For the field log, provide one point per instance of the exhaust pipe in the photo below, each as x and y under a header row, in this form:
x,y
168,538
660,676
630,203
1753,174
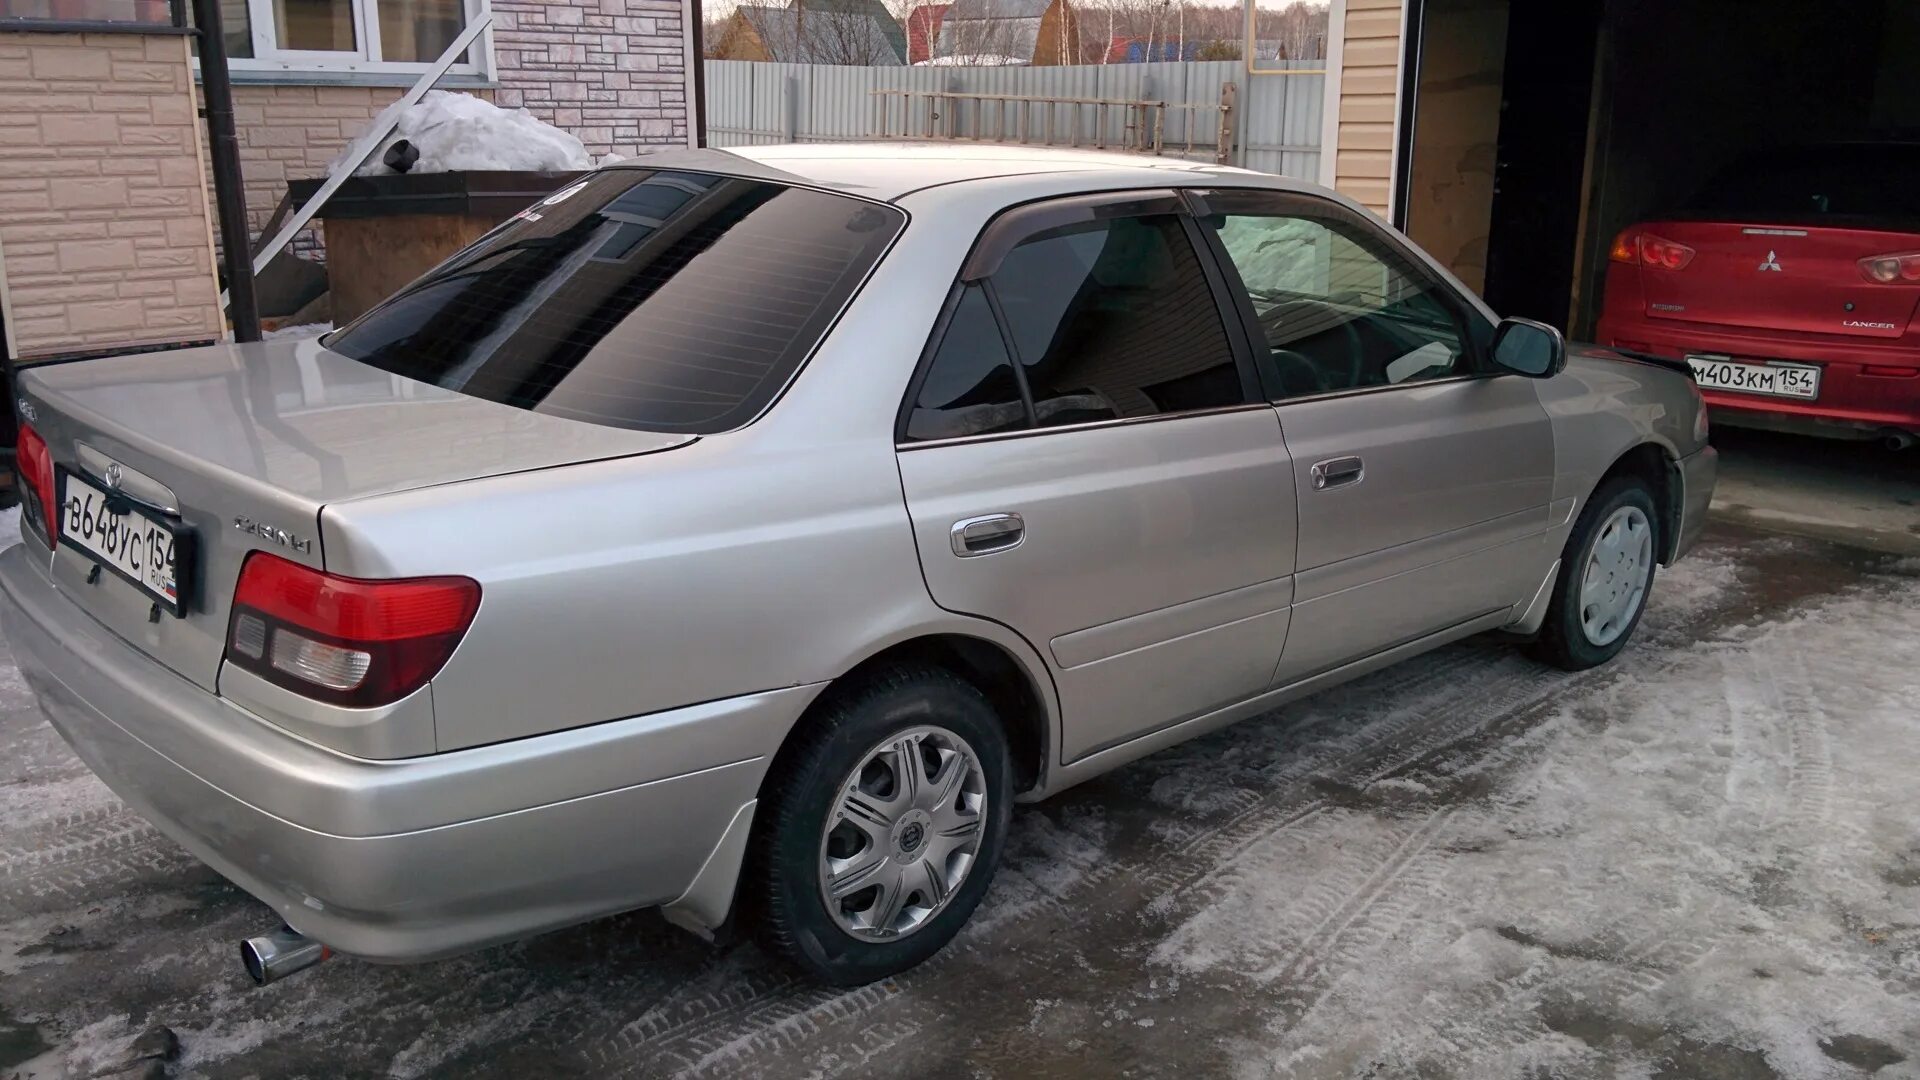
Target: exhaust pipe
x,y
272,957
1895,439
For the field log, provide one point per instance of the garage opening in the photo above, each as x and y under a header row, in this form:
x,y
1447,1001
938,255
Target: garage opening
x,y
1536,132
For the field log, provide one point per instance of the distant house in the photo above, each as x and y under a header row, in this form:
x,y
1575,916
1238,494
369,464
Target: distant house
x,y
1040,32
923,31
872,9
813,33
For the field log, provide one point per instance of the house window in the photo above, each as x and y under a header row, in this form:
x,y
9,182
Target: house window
x,y
373,36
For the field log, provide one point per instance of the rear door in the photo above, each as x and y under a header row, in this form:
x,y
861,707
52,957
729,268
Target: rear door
x,y
1422,479
1086,459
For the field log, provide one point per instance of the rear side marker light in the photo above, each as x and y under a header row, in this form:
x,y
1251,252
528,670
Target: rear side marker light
x,y
346,641
35,463
1901,268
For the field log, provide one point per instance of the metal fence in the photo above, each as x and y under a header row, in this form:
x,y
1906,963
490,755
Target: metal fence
x,y
1269,122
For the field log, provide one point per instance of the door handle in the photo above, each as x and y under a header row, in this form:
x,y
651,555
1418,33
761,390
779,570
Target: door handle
x,y
987,534
1337,472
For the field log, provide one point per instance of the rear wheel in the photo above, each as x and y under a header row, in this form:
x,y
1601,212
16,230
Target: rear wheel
x,y
882,828
1606,574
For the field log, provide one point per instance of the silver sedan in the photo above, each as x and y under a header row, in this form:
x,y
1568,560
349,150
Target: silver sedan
x,y
743,534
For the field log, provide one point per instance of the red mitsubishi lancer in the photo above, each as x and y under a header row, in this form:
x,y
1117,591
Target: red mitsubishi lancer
x,y
1789,286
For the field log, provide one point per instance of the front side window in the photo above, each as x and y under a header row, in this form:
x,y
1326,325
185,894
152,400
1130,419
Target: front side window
x,y
639,298
1108,320
1340,308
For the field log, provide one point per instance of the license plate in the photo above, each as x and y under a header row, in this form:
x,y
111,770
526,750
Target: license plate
x,y
1774,380
139,545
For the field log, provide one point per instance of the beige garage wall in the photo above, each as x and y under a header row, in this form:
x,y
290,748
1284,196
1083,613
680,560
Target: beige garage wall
x,y
106,230
1369,89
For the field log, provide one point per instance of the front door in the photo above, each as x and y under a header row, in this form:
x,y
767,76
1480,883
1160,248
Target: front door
x,y
1086,460
1422,477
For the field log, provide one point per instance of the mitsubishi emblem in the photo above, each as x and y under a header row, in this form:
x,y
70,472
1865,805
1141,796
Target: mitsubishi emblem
x,y
1772,263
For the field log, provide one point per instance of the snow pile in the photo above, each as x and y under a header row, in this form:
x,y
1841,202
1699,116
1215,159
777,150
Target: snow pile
x,y
459,132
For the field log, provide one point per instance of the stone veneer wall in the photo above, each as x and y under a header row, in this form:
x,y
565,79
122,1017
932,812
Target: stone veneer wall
x,y
105,230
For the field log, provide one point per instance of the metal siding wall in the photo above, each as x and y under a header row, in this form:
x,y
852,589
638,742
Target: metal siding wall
x,y
1276,117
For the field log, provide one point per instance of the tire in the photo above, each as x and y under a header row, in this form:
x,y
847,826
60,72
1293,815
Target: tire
x,y
853,743
1567,639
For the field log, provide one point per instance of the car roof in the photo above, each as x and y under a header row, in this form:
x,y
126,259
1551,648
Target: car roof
x,y
890,170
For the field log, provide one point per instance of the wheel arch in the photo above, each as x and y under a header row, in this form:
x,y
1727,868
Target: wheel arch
x,y
1023,700
1655,464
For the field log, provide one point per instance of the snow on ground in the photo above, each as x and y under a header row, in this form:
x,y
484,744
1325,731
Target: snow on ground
x,y
456,132
1700,861
1719,854
303,330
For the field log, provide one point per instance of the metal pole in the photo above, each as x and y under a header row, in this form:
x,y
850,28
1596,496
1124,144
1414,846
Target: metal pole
x,y
696,88
229,189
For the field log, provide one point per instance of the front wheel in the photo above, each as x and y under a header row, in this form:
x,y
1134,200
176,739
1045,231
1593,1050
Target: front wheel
x,y
1606,574
882,826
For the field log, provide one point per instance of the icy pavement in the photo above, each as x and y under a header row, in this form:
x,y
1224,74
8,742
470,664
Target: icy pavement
x,y
1702,861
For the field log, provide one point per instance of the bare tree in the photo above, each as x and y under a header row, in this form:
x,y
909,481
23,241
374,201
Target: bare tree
x,y
804,34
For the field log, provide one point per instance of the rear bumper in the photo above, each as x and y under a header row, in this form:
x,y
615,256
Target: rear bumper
x,y
1854,400
1697,475
397,860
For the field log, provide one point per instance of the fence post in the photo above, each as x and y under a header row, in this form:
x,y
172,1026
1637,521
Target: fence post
x,y
792,102
1223,151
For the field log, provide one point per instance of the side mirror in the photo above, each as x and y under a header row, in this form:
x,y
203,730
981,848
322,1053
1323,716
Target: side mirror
x,y
1529,348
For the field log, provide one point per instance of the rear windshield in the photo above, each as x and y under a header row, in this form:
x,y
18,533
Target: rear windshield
x,y
1859,180
655,299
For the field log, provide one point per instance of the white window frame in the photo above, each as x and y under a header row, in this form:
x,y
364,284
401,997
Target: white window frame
x,y
269,57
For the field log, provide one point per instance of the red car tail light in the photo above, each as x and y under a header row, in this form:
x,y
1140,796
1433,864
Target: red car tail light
x,y
35,467
1663,254
346,641
1626,247
1897,269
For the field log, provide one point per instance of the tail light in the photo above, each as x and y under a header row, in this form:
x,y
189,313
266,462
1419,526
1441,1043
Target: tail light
x,y
1650,251
34,464
1899,269
346,641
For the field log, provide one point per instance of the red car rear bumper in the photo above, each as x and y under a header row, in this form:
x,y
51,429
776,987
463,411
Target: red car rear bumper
x,y
1866,387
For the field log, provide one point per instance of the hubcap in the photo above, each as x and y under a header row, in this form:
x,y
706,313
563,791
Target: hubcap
x,y
903,833
1614,583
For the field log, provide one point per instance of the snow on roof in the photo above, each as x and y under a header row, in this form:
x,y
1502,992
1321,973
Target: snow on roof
x,y
973,60
998,9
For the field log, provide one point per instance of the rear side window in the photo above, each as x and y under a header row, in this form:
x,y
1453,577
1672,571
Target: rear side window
x,y
1108,320
654,299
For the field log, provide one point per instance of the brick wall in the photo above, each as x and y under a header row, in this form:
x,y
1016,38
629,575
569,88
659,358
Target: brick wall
x,y
105,229
612,72
292,133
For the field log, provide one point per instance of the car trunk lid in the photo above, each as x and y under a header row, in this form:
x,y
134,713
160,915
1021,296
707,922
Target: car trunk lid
x,y
1790,277
246,443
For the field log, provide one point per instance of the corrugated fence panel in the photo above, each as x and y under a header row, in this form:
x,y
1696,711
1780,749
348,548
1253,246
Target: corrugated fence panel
x,y
1275,126
729,103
